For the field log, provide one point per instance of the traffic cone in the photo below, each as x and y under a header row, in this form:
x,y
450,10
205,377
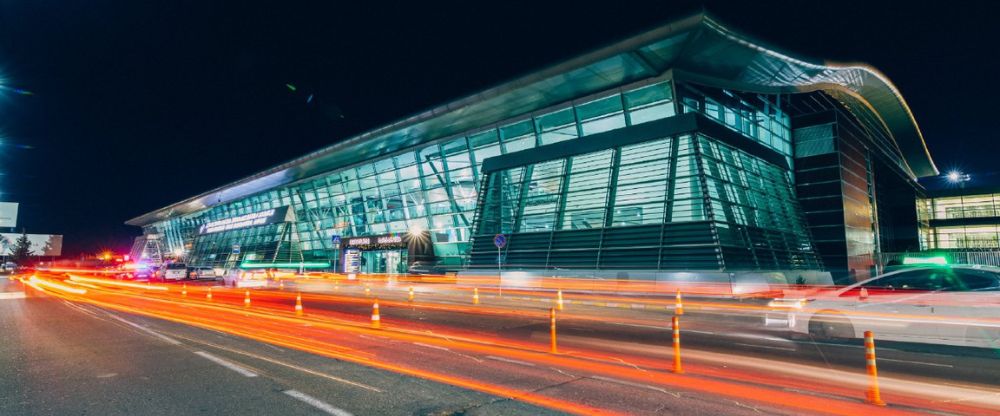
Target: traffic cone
x,y
679,307
209,295
410,297
376,319
368,291
475,296
677,345
872,396
184,290
559,300
298,304
281,285
246,299
552,330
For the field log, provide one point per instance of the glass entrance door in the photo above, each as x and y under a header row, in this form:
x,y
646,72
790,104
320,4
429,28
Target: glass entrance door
x,y
384,261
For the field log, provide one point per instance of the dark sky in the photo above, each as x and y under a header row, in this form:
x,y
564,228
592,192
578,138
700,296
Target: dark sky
x,y
138,104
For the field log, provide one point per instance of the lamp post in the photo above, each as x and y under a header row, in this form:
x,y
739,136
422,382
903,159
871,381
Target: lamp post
x,y
958,178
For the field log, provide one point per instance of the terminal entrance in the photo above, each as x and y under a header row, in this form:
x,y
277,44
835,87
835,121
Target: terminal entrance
x,y
392,261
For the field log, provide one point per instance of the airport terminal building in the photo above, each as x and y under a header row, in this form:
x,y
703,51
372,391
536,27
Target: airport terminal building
x,y
687,147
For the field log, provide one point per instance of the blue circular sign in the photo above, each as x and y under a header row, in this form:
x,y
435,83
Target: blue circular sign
x,y
500,240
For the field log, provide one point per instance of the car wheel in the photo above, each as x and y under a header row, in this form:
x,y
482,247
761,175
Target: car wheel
x,y
830,326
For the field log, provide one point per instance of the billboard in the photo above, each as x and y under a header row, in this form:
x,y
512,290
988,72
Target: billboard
x,y
41,244
8,214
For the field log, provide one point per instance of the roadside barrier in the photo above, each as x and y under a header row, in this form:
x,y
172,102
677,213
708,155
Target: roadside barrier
x,y
376,318
475,296
246,299
872,396
298,304
677,345
679,308
552,330
559,300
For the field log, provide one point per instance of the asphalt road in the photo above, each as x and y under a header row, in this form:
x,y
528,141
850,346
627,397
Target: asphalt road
x,y
72,358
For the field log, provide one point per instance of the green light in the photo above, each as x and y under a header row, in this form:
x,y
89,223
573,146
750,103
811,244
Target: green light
x,y
304,265
938,260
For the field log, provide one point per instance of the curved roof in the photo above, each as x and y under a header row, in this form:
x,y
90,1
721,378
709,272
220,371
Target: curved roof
x,y
697,48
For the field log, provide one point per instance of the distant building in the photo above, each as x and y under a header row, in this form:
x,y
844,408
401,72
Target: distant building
x,y
686,148
960,219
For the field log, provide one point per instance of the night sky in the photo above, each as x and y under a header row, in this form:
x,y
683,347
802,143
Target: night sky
x,y
140,104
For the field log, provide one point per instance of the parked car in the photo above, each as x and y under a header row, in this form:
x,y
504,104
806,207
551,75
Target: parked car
x,y
8,267
174,271
425,267
201,273
948,305
245,278
135,272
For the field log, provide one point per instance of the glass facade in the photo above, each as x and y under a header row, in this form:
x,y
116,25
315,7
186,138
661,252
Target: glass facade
x,y
431,188
683,202
960,222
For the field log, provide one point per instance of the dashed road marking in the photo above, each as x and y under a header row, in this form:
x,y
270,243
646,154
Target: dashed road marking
x,y
317,403
639,385
146,330
11,295
437,347
916,362
508,360
226,363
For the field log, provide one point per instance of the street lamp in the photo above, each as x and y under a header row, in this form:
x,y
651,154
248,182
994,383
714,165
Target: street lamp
x,y
957,177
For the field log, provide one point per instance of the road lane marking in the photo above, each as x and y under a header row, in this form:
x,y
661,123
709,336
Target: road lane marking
x,y
915,362
12,295
281,363
639,385
765,346
437,347
508,360
317,403
225,363
146,330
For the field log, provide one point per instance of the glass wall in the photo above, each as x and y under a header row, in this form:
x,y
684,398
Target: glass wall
x,y
959,236
963,206
550,208
432,188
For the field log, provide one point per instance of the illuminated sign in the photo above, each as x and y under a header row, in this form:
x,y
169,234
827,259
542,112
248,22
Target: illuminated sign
x,y
8,214
255,219
377,242
938,260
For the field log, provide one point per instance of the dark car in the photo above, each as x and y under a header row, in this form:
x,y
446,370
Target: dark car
x,y
425,267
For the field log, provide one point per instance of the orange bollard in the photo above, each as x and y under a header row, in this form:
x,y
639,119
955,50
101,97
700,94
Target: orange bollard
x,y
298,304
246,300
410,298
281,285
376,318
552,330
872,396
184,290
677,345
559,300
209,295
368,291
475,296
679,307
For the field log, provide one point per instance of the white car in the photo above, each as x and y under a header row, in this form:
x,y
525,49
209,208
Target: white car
x,y
175,271
945,305
241,278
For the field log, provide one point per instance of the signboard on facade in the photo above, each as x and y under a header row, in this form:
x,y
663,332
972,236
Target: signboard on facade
x,y
336,241
255,219
41,244
377,242
8,214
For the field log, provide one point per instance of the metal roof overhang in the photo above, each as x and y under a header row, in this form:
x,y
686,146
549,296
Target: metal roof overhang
x,y
697,48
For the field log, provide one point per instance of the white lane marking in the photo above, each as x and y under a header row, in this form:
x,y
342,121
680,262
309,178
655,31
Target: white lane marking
x,y
629,383
437,347
641,325
765,346
12,295
147,330
508,360
700,332
915,362
317,403
225,363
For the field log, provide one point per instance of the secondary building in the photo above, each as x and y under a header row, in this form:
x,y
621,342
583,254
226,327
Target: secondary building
x,y
689,147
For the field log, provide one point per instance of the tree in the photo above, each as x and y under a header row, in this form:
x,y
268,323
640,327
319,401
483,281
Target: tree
x,y
22,250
